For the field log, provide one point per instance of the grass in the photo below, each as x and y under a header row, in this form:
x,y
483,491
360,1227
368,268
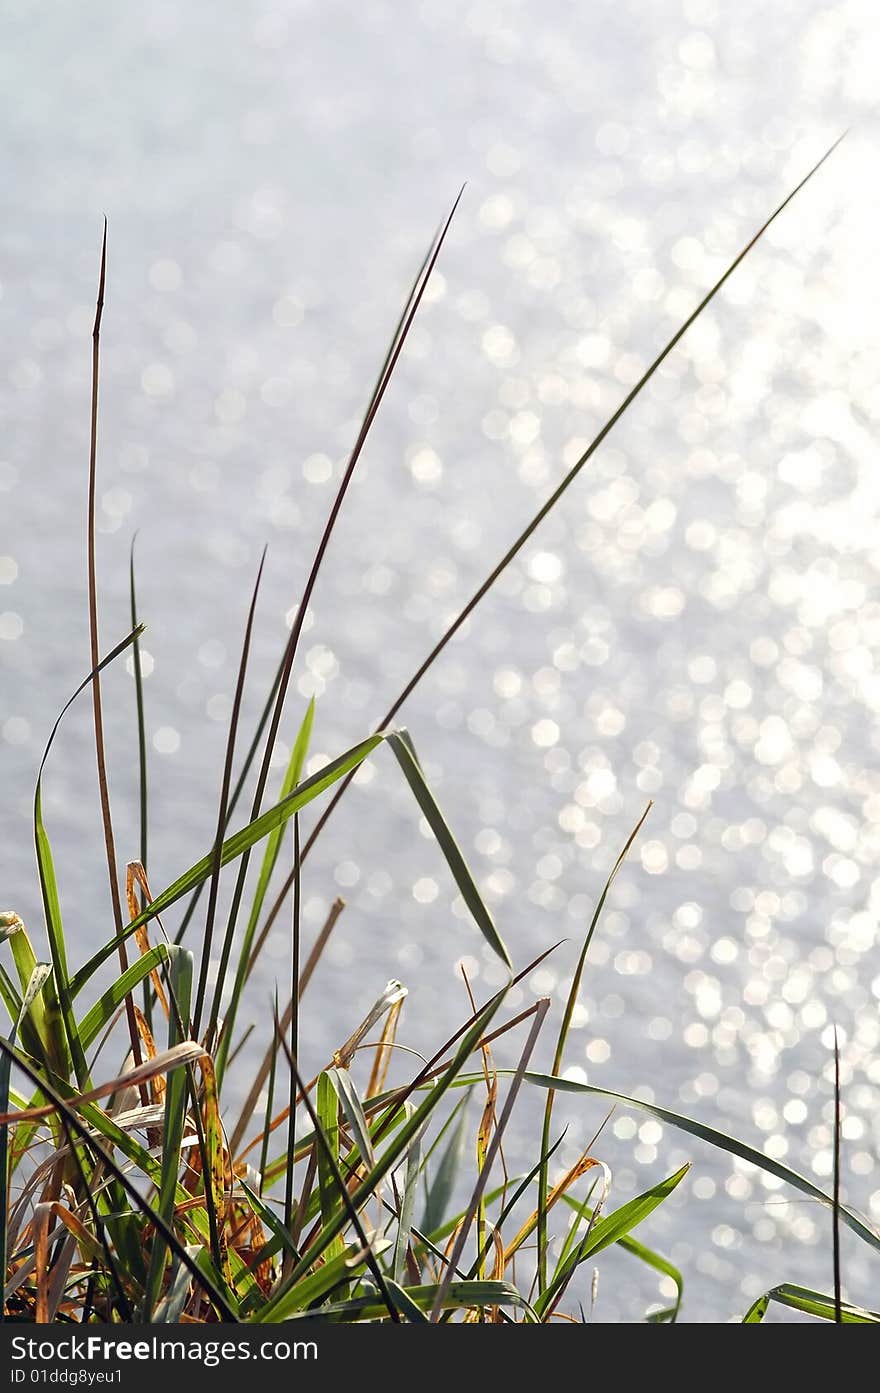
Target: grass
x,y
131,1194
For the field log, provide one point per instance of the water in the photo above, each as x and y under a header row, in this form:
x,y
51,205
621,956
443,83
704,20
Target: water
x,y
696,623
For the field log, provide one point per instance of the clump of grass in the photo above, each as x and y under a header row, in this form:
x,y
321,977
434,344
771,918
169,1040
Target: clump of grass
x,y
139,1198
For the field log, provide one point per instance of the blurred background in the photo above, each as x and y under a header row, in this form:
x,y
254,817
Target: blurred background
x,y
696,623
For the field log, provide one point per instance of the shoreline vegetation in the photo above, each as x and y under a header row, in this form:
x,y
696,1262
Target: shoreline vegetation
x,y
133,1197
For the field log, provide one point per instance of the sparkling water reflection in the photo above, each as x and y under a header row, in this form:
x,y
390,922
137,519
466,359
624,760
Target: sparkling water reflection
x,y
696,623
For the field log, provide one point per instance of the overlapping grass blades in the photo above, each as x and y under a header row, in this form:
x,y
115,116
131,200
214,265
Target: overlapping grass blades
x,y
133,1203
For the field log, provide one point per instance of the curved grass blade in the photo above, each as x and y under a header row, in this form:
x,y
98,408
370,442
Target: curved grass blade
x,y
101,1014
456,1296
607,1231
354,1113
404,750
654,1260
714,1137
235,846
811,1303
51,904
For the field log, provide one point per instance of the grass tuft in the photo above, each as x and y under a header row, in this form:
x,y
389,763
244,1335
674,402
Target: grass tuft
x,y
125,1193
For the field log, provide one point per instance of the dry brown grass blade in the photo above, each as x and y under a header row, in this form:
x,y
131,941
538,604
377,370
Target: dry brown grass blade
x,y
384,1050
41,1255
185,1053
157,1084
580,1167
219,1166
135,874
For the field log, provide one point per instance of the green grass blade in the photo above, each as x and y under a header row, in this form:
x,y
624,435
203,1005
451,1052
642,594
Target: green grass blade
x,y
407,1205
623,1220
394,1152
267,1215
344,1268
457,1296
234,847
811,1303
34,986
654,1260
327,1108
61,991
607,1231
407,758
440,1190
176,1091
354,1113
715,1138
101,1014
249,951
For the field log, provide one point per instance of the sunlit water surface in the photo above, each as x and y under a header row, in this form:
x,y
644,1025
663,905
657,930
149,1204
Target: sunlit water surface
x,y
697,623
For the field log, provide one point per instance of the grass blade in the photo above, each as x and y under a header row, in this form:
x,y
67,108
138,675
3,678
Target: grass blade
x,y
95,650
607,1231
249,950
714,1137
60,991
440,1191
535,522
142,744
175,1116
456,1296
631,1245
811,1303
543,1007
234,847
354,1113
222,816
403,748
